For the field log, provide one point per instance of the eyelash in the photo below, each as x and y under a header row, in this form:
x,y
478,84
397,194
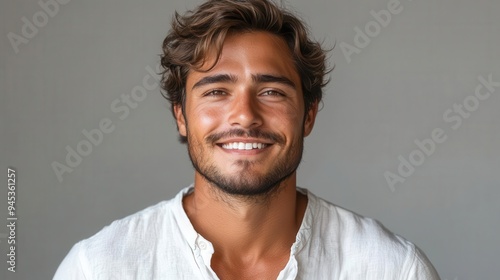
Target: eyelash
x,y
211,93
218,92
276,93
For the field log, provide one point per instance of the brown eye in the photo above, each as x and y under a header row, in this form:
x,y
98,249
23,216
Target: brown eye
x,y
215,92
271,93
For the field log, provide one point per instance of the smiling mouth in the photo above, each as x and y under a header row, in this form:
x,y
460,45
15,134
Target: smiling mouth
x,y
243,146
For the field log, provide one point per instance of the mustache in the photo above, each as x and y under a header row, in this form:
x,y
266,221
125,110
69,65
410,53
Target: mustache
x,y
251,133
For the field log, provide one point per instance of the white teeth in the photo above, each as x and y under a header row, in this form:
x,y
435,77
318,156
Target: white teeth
x,y
243,146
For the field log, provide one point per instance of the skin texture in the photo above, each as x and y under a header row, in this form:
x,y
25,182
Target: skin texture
x,y
245,201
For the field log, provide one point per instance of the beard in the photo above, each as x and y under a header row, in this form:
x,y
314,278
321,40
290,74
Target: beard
x,y
247,183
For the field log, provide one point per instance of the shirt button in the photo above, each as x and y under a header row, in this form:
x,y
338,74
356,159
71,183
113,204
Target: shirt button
x,y
202,245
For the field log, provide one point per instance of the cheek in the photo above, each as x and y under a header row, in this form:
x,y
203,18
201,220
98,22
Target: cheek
x,y
207,118
286,121
289,116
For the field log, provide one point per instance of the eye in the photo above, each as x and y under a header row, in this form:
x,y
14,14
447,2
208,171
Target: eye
x,y
215,92
272,93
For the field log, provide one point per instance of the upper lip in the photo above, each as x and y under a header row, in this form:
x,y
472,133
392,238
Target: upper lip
x,y
244,140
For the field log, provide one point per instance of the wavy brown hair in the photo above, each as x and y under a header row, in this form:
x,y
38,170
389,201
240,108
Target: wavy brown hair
x,y
205,28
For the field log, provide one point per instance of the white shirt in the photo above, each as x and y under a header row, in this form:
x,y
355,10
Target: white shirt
x,y
160,242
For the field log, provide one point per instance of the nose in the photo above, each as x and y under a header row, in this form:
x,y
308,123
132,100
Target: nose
x,y
245,110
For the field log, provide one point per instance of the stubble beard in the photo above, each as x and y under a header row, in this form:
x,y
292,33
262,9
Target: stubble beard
x,y
246,185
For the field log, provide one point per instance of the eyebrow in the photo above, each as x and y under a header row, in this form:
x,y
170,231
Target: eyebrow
x,y
219,78
258,78
266,78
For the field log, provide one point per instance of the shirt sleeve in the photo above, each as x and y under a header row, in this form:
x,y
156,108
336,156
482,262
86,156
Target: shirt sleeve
x,y
421,268
73,266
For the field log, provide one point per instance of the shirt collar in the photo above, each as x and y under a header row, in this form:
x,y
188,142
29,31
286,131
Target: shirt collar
x,y
193,237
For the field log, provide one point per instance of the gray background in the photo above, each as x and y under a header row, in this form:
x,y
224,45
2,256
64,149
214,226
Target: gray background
x,y
394,91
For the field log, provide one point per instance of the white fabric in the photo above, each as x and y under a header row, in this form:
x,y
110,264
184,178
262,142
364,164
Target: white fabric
x,y
160,243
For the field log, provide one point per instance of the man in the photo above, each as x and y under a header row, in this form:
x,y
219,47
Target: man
x,y
244,81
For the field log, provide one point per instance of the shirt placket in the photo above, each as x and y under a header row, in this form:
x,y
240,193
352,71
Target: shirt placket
x,y
204,251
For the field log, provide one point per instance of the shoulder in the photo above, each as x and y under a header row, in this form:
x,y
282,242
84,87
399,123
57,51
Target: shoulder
x,y
133,233
127,241
139,231
342,224
136,226
363,242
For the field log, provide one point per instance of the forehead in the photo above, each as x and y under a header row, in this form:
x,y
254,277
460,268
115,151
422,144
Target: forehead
x,y
249,53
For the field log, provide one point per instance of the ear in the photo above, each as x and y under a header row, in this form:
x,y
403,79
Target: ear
x,y
310,118
179,118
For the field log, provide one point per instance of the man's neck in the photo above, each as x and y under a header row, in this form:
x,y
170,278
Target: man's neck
x,y
244,230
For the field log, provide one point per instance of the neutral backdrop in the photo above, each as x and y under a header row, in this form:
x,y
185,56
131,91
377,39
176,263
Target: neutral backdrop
x,y
397,87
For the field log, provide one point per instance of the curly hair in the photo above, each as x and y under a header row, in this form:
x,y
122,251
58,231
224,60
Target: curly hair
x,y
192,35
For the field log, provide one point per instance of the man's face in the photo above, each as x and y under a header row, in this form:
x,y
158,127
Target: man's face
x,y
244,119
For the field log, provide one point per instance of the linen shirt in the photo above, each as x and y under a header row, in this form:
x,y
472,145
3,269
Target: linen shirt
x,y
160,242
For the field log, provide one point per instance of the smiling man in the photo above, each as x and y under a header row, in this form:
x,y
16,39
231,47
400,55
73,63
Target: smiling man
x,y
244,81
